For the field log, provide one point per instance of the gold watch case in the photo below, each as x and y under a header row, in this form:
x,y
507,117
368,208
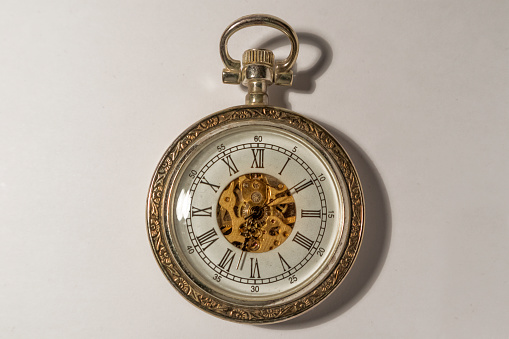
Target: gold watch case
x,y
159,224
255,114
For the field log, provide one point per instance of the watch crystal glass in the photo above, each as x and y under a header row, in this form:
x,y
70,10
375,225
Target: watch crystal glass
x,y
256,212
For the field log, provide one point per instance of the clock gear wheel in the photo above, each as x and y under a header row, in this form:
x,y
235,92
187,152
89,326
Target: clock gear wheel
x,y
256,212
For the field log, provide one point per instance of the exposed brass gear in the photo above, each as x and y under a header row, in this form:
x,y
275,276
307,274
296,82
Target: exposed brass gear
x,y
256,212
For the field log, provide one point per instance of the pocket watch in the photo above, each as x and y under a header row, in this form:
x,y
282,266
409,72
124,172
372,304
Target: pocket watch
x,y
255,213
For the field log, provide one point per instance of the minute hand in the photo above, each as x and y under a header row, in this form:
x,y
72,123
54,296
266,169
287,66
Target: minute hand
x,y
283,200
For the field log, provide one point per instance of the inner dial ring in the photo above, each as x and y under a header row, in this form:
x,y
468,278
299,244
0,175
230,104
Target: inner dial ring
x,y
311,244
256,212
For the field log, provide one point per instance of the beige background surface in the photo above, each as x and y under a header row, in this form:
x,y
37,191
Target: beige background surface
x,y
92,93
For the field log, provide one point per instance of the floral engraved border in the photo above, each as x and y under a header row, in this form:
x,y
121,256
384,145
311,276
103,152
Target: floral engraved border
x,y
225,309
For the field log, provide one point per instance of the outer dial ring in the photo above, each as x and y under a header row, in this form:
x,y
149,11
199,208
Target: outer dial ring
x,y
316,242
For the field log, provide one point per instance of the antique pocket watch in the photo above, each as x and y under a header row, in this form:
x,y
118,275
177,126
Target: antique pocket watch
x,y
255,213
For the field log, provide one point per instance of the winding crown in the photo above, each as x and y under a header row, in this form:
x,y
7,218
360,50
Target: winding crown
x,y
258,56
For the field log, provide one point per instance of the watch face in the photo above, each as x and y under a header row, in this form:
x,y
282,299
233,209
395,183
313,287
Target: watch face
x,y
251,215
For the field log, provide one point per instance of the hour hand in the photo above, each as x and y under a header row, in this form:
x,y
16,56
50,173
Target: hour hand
x,y
282,200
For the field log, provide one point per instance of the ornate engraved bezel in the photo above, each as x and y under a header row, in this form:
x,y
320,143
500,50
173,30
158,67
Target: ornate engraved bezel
x,y
164,250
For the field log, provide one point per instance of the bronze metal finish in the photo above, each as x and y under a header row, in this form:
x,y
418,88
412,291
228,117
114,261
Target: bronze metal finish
x,y
256,213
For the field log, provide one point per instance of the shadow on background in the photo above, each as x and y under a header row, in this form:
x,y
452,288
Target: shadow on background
x,y
377,233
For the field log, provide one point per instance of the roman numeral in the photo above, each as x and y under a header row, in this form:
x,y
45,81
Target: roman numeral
x,y
254,268
231,165
303,241
197,212
207,238
227,260
300,186
282,169
206,182
310,213
258,158
283,262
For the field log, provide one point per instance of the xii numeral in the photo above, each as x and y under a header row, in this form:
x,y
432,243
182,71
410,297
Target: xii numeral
x,y
258,158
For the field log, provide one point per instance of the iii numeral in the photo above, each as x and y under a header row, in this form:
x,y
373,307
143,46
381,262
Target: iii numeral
x,y
206,182
207,238
258,158
310,213
255,270
303,241
198,212
231,165
300,186
227,260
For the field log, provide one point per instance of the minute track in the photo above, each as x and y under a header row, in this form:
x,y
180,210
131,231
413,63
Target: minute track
x,y
287,156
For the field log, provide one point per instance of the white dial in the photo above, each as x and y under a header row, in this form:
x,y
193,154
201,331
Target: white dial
x,y
257,213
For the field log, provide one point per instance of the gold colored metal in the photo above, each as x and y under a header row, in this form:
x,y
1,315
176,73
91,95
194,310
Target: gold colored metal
x,y
257,75
258,56
256,212
259,69
168,256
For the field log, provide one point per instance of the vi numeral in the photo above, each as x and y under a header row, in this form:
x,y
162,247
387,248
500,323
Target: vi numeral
x,y
255,269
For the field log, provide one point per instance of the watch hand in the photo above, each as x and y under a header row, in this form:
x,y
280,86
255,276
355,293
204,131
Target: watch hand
x,y
243,252
240,259
281,200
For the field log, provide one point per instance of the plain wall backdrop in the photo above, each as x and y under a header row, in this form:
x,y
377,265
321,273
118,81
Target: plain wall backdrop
x,y
93,92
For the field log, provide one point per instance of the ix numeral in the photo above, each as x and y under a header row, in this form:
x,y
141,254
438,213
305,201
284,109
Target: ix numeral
x,y
198,212
258,158
231,165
